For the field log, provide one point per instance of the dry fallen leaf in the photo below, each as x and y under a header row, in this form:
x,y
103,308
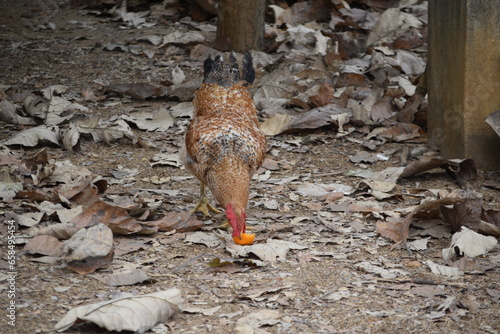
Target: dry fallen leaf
x,y
444,270
116,218
272,251
207,239
469,243
276,124
44,245
159,120
90,264
127,277
204,311
9,114
179,221
33,136
494,121
251,322
384,273
133,313
93,241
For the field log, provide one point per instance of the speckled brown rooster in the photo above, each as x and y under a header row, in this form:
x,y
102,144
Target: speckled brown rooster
x,y
224,145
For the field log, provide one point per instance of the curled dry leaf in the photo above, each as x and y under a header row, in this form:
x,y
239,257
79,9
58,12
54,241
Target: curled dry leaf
x,y
70,138
133,313
469,243
465,212
116,218
466,168
9,114
34,136
276,124
494,121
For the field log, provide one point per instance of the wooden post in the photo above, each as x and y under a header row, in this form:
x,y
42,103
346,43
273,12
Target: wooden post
x,y
240,25
464,78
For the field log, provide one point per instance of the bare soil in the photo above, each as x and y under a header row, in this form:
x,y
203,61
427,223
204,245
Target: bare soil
x,y
33,56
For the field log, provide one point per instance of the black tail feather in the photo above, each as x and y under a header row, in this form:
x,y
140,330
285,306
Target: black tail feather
x,y
227,74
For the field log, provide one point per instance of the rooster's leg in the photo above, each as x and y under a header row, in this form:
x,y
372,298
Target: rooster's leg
x,y
203,204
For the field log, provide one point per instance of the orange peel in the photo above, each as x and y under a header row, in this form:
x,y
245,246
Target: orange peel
x,y
244,239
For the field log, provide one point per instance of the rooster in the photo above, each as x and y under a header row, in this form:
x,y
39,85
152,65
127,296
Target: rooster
x,y
224,145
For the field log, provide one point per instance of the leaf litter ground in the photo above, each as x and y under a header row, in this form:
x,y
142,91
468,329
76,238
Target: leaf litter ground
x,y
338,273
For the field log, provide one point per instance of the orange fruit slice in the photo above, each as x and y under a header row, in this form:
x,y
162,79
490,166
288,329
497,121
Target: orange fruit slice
x,y
244,239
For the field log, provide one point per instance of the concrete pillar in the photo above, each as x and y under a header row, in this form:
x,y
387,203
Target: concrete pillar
x,y
464,78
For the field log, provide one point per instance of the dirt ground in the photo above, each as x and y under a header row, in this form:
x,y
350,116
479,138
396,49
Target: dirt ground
x,y
318,289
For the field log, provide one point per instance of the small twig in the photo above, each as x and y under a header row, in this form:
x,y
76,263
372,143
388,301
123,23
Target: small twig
x,y
327,174
422,282
186,263
163,275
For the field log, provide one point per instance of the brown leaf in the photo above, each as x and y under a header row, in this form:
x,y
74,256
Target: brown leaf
x,y
84,194
493,184
466,168
90,264
396,230
179,221
350,79
117,219
128,245
324,95
491,216
410,40
407,114
38,195
40,158
403,132
466,213
422,165
44,245
8,160
488,229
